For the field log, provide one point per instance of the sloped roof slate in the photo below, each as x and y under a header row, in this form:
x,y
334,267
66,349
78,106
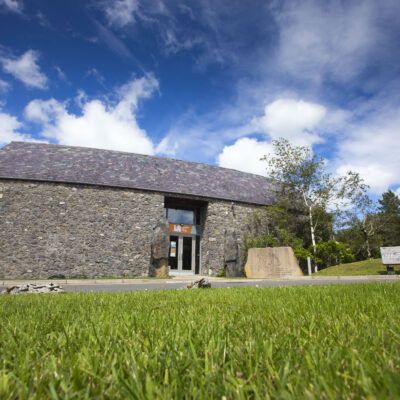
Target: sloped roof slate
x,y
68,164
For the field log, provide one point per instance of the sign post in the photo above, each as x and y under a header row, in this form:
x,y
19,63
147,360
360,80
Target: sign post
x,y
309,265
390,257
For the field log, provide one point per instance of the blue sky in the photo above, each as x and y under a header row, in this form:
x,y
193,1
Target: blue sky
x,y
207,81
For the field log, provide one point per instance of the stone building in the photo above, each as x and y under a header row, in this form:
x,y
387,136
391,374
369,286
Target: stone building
x,y
84,212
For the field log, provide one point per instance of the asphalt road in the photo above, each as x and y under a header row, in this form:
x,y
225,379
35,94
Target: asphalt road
x,y
128,287
140,285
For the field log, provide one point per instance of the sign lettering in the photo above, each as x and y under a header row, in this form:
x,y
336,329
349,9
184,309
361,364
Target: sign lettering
x,y
181,228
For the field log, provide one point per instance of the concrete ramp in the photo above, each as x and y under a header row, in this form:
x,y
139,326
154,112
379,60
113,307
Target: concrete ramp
x,y
272,262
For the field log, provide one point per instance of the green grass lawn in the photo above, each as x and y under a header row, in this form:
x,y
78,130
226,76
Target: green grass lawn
x,y
316,342
366,267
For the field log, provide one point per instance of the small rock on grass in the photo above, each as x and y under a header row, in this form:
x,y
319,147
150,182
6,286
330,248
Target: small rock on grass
x,y
200,284
34,288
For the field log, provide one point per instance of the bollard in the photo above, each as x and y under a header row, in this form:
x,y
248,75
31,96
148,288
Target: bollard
x,y
309,265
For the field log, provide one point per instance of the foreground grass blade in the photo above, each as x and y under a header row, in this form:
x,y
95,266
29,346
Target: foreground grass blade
x,y
324,342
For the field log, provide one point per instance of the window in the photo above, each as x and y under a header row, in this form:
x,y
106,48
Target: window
x,y
178,216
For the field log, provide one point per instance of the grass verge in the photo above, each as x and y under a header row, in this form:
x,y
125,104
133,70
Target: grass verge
x,y
318,342
366,267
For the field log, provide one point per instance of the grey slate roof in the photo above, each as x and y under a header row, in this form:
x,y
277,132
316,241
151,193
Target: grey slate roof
x,y
55,163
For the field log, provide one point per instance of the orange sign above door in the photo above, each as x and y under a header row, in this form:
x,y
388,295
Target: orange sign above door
x,y
181,228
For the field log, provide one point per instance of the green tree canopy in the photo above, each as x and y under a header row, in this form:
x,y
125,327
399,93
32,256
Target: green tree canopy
x,y
305,182
390,203
389,216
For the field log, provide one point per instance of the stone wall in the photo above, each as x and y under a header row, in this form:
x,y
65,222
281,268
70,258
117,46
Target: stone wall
x,y
75,230
93,231
220,216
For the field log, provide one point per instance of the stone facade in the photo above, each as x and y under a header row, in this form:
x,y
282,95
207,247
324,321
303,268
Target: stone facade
x,y
76,230
94,231
221,216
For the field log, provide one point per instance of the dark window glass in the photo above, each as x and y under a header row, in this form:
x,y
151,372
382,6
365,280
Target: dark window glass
x,y
187,253
197,266
181,216
173,252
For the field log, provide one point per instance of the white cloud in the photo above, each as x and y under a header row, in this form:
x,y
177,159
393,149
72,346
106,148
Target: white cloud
x,y
397,191
26,69
60,73
9,129
244,155
121,12
321,40
12,5
43,21
295,120
375,174
195,138
163,18
190,143
372,148
167,147
203,137
100,123
173,44
44,112
96,75
115,44
4,86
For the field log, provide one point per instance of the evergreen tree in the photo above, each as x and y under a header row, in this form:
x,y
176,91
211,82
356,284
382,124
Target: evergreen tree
x,y
390,203
390,219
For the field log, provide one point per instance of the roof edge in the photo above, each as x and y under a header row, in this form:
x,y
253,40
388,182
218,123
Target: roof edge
x,y
132,188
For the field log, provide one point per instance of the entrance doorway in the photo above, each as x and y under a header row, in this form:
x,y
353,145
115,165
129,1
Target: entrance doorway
x,y
182,255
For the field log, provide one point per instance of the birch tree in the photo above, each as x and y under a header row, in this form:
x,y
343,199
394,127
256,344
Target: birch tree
x,y
304,182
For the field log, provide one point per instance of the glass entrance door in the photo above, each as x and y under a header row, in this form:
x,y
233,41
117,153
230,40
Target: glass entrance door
x,y
187,253
182,255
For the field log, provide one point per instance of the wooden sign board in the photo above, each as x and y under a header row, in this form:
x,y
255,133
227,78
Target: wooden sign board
x,y
390,255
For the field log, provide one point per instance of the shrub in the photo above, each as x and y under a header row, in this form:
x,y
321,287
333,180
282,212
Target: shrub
x,y
282,238
301,254
333,253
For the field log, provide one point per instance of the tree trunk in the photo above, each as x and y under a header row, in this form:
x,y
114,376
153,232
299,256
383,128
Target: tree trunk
x,y
313,239
366,238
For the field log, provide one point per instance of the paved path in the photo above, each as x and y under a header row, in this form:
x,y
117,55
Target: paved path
x,y
124,285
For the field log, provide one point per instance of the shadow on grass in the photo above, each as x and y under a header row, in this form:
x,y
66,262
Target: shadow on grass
x,y
385,272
